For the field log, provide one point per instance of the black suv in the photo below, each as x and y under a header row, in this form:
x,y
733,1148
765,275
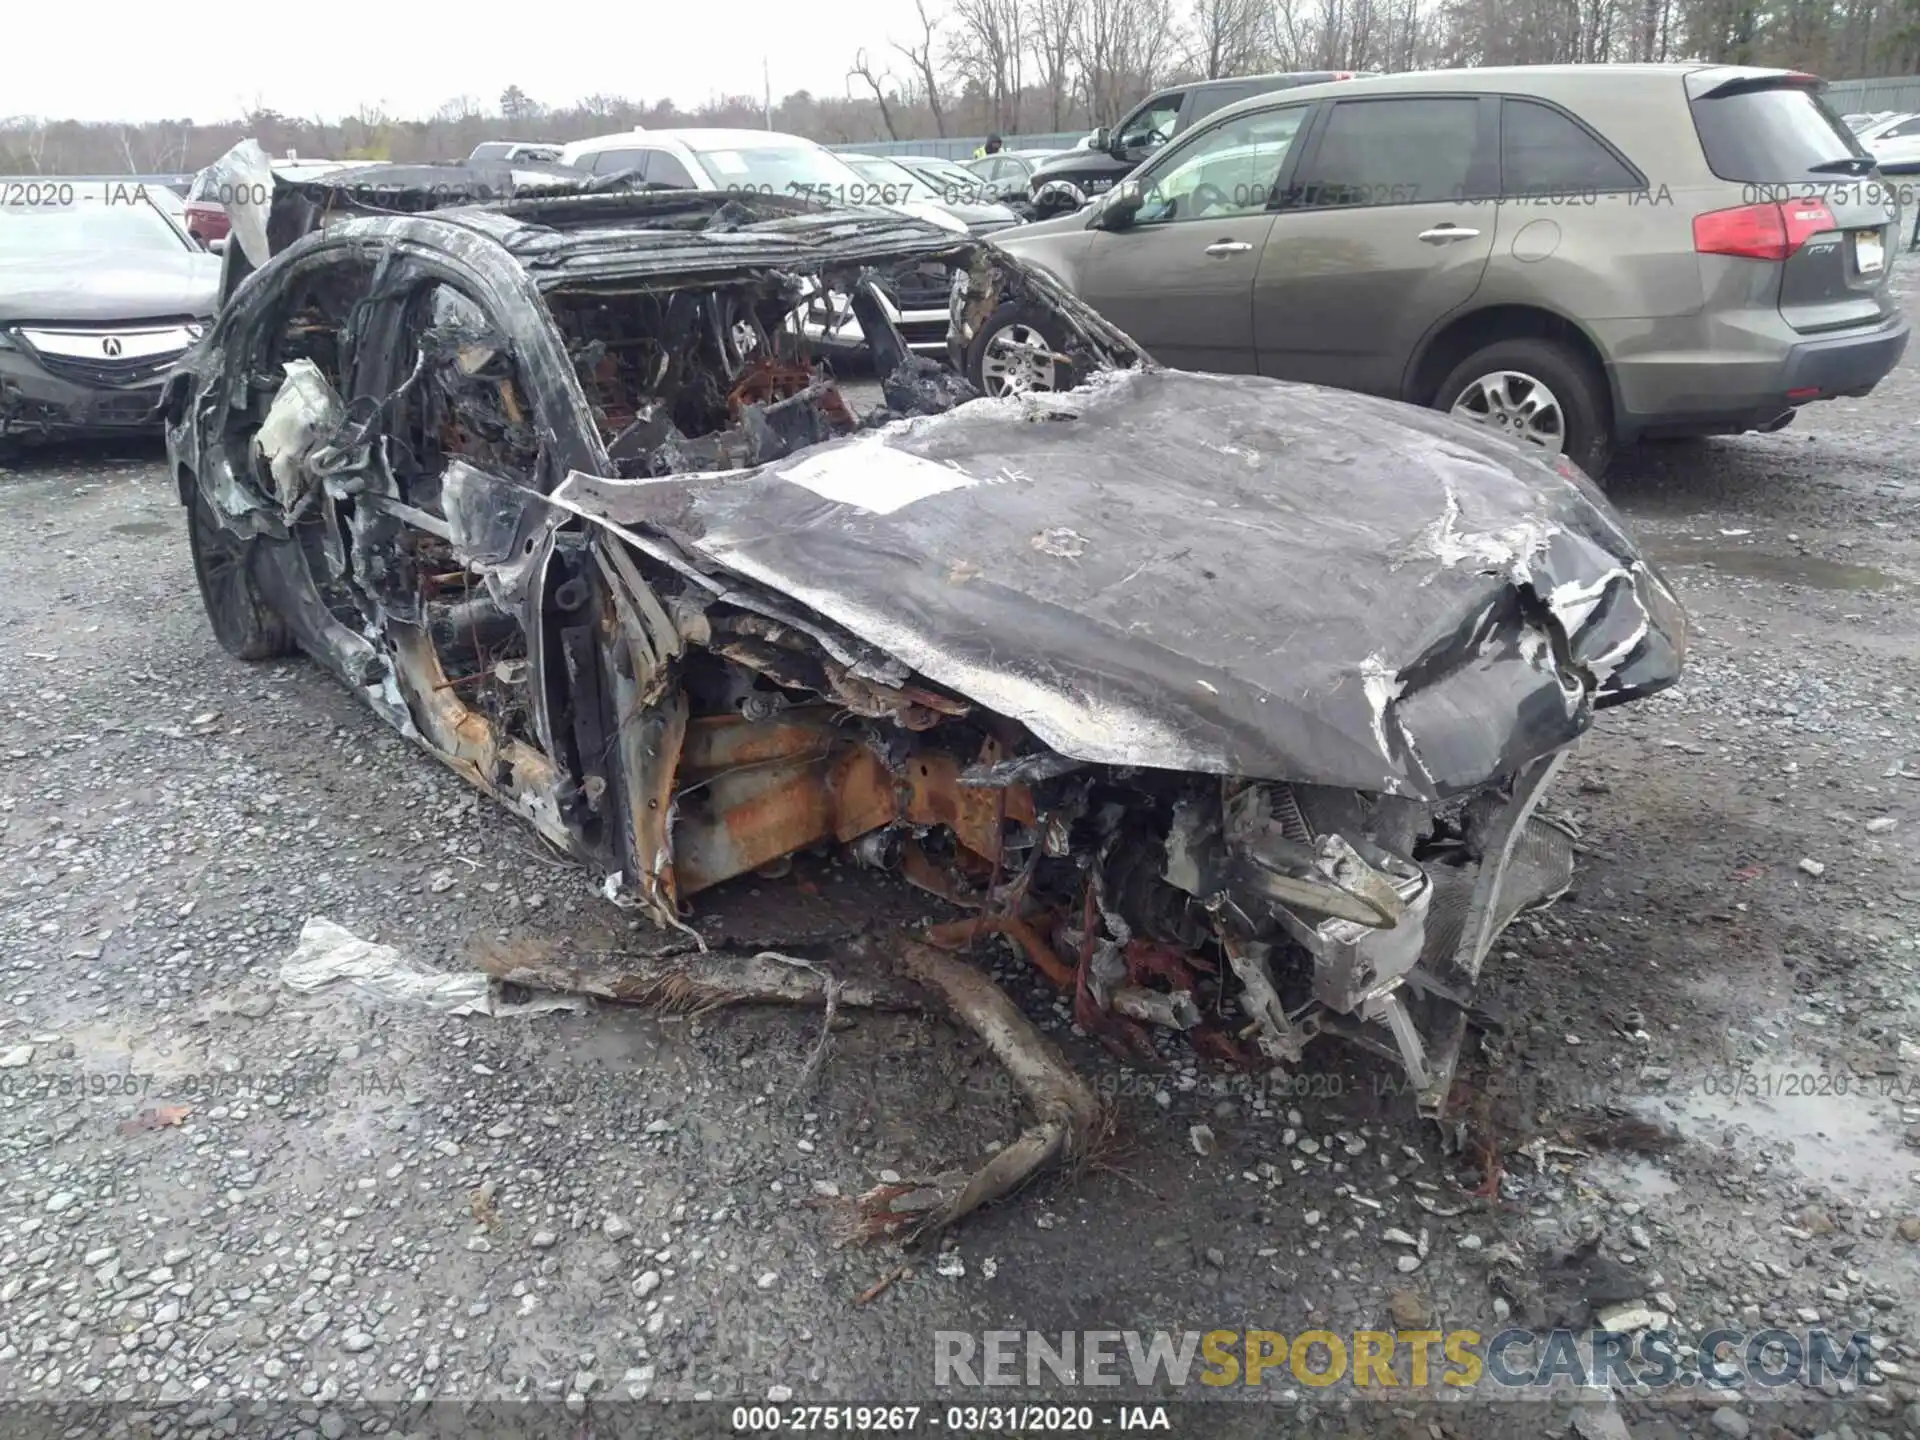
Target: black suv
x,y
1073,177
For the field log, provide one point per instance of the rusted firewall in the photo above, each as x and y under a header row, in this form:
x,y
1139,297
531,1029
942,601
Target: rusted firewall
x,y
749,793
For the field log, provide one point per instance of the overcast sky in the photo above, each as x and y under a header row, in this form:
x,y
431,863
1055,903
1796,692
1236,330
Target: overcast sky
x,y
128,60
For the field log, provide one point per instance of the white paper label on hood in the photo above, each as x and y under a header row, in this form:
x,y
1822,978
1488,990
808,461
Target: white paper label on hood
x,y
877,478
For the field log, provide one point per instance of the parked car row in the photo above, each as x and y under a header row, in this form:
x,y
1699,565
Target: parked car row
x,y
1574,256
1893,140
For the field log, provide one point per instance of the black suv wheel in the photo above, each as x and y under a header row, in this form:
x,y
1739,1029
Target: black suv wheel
x,y
1536,393
1018,349
247,627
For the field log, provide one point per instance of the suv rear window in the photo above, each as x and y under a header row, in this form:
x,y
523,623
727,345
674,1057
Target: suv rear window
x,y
1777,133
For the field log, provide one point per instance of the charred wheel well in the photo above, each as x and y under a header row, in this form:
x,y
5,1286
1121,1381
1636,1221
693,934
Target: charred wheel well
x,y
1459,338
175,398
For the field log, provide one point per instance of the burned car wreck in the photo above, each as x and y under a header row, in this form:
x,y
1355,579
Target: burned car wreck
x,y
1230,703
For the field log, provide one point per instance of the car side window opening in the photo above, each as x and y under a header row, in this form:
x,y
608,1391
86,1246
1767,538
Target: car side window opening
x,y
459,397
1208,100
1903,130
1152,126
317,318
1230,170
612,162
464,399
1546,152
666,169
320,319
1397,152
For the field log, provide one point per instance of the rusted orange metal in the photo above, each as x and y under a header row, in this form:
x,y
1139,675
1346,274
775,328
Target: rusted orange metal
x,y
863,795
957,934
917,868
935,796
751,792
722,742
768,379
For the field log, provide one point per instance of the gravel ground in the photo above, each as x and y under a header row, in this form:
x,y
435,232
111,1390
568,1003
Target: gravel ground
x,y
219,1192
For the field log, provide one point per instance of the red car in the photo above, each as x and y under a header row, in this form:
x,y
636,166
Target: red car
x,y
207,220
206,214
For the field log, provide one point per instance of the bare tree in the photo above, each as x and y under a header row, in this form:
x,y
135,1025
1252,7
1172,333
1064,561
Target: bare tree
x,y
1227,37
36,145
1122,49
1053,32
988,53
1061,62
863,68
921,55
515,106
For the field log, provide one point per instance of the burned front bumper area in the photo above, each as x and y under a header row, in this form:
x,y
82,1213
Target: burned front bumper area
x,y
1246,917
1387,946
1252,916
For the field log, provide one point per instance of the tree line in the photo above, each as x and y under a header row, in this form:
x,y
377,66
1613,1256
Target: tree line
x,y
969,67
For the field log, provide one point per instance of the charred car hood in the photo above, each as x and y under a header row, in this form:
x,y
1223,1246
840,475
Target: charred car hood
x,y
1217,573
110,286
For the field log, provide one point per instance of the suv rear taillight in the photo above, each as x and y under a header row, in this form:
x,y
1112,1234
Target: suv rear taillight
x,y
1761,232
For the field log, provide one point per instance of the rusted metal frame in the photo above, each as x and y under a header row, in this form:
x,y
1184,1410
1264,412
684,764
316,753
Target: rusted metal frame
x,y
750,792
470,744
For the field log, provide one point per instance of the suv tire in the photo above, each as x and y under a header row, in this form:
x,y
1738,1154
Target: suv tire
x,y
247,627
1000,362
1508,379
